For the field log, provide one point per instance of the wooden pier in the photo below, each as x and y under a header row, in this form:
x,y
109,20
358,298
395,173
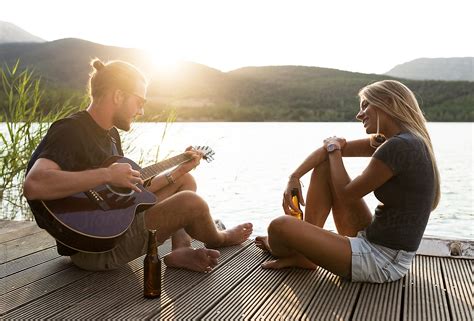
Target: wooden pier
x,y
36,283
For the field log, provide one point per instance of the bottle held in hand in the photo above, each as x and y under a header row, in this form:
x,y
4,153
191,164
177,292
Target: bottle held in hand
x,y
296,203
152,269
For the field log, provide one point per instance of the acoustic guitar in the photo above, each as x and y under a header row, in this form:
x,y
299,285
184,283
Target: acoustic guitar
x,y
95,220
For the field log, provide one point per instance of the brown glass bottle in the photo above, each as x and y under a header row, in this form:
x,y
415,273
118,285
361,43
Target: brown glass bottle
x,y
296,203
152,269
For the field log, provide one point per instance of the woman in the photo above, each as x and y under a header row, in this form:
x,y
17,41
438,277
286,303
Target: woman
x,y
402,173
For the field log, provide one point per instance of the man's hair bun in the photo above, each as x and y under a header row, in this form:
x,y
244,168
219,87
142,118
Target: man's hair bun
x,y
97,64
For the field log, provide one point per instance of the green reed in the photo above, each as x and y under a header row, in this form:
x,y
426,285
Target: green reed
x,y
25,125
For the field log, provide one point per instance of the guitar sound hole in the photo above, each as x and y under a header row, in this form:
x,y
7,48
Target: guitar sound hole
x,y
121,191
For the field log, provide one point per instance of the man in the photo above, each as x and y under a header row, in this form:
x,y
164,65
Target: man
x,y
68,160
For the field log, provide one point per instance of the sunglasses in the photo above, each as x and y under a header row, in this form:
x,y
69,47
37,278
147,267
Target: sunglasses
x,y
140,98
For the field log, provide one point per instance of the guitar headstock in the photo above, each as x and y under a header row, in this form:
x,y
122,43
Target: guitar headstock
x,y
207,152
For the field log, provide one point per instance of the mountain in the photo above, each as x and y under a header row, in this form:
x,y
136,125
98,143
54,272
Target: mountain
x,y
456,69
65,62
11,33
201,93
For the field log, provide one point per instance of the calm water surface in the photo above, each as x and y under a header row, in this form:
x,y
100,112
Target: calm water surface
x,y
245,182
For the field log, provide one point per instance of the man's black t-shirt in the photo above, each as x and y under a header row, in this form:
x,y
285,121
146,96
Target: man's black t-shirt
x,y
75,143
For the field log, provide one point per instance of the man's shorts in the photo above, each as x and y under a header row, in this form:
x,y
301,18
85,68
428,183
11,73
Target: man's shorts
x,y
375,263
132,245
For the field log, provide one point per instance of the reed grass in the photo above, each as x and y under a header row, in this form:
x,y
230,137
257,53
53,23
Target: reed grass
x,y
25,126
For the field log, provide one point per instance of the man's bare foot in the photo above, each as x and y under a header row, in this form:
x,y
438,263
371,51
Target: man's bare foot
x,y
298,261
200,260
233,236
262,242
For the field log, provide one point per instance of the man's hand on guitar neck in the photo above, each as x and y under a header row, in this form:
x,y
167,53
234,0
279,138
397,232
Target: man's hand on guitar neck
x,y
122,175
192,163
161,181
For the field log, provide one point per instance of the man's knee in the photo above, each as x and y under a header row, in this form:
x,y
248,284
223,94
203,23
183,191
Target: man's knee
x,y
188,181
192,203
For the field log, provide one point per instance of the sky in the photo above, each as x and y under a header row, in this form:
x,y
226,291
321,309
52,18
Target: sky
x,y
363,36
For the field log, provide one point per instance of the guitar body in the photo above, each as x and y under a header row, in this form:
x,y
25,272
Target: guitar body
x,y
94,221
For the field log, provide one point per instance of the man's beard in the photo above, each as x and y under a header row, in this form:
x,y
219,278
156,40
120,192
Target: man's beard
x,y
119,121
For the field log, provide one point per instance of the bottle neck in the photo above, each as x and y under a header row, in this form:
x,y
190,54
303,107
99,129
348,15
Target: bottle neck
x,y
152,244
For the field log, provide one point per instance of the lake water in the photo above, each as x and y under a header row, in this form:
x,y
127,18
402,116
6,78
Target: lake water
x,y
245,182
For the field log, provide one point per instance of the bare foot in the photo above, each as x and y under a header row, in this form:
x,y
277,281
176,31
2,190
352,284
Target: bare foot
x,y
235,235
262,242
200,260
298,261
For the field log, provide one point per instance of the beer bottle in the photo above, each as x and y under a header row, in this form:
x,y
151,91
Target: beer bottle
x,y
152,268
294,200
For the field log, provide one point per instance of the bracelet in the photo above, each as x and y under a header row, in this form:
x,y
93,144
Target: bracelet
x,y
170,178
293,177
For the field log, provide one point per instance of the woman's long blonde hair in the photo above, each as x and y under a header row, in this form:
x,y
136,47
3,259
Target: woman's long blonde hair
x,y
399,102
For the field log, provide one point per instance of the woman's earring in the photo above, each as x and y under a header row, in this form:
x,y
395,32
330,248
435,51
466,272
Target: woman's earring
x,y
377,139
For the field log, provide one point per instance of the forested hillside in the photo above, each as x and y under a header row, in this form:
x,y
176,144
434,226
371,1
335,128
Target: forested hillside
x,y
201,93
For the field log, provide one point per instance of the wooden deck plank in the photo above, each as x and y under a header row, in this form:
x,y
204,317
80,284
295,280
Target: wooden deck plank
x,y
425,297
292,296
35,290
175,283
125,299
26,245
132,305
39,284
34,274
26,262
11,230
48,306
335,298
459,286
248,296
197,302
379,302
78,291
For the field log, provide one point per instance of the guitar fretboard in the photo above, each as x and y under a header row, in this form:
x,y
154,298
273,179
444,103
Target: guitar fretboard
x,y
153,170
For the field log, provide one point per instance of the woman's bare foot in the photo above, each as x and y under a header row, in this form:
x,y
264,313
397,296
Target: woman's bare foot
x,y
262,242
200,260
298,261
233,236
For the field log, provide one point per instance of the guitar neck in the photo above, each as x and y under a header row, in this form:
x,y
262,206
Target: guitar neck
x,y
153,170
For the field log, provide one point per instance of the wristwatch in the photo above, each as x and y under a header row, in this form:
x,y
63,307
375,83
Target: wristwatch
x,y
332,147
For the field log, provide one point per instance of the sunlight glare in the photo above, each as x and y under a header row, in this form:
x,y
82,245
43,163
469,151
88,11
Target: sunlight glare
x,y
164,61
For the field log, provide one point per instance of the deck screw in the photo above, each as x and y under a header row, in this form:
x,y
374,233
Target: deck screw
x,y
455,248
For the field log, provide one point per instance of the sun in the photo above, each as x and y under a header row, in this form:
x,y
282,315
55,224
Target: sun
x,y
164,61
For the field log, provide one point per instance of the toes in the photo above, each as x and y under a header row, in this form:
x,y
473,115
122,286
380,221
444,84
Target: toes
x,y
277,264
213,253
214,262
247,226
274,264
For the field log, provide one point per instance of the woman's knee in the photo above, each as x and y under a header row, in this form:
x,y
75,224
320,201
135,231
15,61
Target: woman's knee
x,y
321,171
280,225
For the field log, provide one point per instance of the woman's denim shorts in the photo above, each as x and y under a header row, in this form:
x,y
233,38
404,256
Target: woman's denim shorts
x,y
376,263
